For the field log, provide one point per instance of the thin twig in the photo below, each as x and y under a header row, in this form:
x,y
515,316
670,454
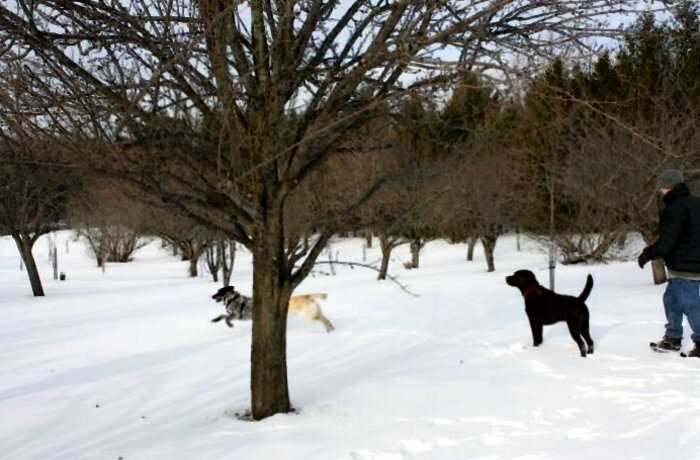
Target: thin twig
x,y
394,279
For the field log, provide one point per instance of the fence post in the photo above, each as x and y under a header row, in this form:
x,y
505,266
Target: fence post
x,y
54,262
552,266
330,261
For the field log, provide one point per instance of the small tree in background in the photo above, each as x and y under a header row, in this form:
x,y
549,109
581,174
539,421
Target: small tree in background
x,y
464,114
33,196
191,239
110,222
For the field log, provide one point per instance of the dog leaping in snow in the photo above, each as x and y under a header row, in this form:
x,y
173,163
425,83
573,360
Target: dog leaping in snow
x,y
239,306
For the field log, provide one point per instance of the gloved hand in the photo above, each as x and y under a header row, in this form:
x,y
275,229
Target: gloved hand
x,y
642,259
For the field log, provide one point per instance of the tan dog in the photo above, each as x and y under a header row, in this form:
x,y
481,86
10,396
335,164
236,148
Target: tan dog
x,y
239,306
307,307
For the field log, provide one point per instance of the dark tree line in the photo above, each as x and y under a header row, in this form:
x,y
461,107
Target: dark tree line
x,y
571,160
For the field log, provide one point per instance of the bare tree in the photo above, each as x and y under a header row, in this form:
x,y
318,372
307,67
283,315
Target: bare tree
x,y
220,256
192,240
214,262
488,195
32,199
112,224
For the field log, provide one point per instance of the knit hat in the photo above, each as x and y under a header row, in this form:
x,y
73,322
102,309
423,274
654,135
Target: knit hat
x,y
669,178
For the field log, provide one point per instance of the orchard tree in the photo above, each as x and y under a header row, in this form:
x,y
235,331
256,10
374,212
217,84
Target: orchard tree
x,y
33,194
32,200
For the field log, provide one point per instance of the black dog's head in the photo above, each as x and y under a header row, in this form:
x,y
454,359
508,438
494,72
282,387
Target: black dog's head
x,y
222,293
522,279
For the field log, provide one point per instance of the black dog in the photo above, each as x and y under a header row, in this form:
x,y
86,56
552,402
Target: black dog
x,y
544,307
237,305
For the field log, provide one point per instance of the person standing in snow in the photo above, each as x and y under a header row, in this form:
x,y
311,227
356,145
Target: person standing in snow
x,y
679,246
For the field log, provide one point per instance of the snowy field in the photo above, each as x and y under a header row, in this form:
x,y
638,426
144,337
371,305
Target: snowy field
x,y
127,365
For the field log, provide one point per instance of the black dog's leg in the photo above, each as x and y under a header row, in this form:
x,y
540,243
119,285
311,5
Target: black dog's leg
x,y
575,332
228,320
536,333
585,331
218,318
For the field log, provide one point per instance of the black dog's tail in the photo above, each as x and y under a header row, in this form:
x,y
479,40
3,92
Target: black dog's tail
x,y
587,289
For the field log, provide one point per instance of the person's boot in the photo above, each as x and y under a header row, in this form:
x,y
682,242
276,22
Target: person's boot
x,y
667,344
695,352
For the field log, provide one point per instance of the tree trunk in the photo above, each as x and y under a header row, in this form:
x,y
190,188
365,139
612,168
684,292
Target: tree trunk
x,y
214,261
416,246
552,233
368,239
193,267
186,250
489,244
97,249
228,258
470,248
24,245
271,293
658,270
386,246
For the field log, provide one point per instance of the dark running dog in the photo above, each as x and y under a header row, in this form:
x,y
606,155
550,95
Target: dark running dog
x,y
544,307
239,306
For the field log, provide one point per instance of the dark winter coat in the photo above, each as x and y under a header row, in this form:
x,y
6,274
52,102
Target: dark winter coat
x,y
679,241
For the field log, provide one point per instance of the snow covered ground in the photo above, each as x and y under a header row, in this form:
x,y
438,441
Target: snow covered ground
x,y
127,365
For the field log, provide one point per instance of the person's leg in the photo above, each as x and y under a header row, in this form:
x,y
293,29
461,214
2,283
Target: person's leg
x,y
674,310
690,301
